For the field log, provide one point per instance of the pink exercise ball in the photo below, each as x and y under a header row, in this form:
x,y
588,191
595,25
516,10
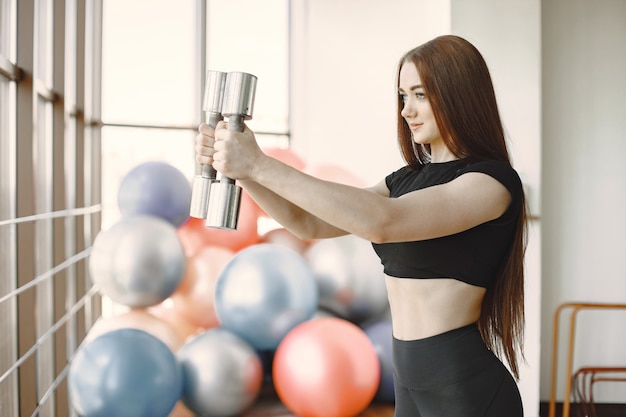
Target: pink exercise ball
x,y
326,367
194,234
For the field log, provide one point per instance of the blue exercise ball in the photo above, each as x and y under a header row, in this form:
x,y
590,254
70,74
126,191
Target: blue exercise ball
x,y
138,262
380,334
222,374
158,189
125,372
263,292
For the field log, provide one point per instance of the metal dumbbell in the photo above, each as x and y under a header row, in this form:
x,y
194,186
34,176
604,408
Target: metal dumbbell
x,y
237,106
213,98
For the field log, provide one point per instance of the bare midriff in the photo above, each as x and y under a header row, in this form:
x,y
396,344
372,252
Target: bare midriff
x,y
422,308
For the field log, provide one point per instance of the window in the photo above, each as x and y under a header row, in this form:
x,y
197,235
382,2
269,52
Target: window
x,y
61,157
152,100
49,206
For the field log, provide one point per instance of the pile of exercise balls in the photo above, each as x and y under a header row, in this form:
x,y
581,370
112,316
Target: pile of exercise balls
x,y
214,318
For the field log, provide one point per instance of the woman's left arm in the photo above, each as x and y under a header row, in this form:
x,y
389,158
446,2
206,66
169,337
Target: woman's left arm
x,y
469,200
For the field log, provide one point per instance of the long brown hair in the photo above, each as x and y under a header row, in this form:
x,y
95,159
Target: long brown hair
x,y
458,86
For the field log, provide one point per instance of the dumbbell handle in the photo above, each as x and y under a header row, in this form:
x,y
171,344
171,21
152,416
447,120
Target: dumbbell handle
x,y
235,124
213,97
207,170
201,188
223,210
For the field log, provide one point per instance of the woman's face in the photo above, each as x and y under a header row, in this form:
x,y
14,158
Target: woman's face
x,y
416,110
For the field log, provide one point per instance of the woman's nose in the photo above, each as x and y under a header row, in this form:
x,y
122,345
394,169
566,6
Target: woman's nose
x,y
407,110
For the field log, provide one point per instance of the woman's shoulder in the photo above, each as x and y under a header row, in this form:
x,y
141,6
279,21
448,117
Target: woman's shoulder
x,y
502,171
400,174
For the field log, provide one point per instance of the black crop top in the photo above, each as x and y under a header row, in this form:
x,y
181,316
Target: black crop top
x,y
473,256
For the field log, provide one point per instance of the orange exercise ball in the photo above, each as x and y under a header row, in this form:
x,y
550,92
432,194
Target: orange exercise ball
x,y
194,234
194,297
326,367
166,312
191,235
181,410
138,319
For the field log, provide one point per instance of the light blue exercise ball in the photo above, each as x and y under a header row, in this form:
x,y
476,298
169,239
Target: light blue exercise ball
x,y
349,276
263,292
380,334
222,373
124,372
156,188
137,262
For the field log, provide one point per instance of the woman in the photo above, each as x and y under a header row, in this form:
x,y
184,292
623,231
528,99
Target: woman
x,y
449,227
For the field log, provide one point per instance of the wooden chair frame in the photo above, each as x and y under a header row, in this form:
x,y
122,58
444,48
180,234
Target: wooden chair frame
x,y
574,308
584,380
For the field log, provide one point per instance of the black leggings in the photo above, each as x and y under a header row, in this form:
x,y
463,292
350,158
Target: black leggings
x,y
452,375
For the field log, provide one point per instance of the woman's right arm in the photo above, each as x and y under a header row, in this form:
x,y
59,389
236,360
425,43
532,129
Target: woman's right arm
x,y
292,217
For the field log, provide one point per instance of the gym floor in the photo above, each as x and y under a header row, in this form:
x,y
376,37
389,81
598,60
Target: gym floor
x,y
273,408
268,405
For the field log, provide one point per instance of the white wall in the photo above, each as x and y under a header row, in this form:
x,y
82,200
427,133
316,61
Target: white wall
x,y
584,191
343,104
343,77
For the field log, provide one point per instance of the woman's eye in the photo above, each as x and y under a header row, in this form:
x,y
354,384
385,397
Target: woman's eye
x,y
418,95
